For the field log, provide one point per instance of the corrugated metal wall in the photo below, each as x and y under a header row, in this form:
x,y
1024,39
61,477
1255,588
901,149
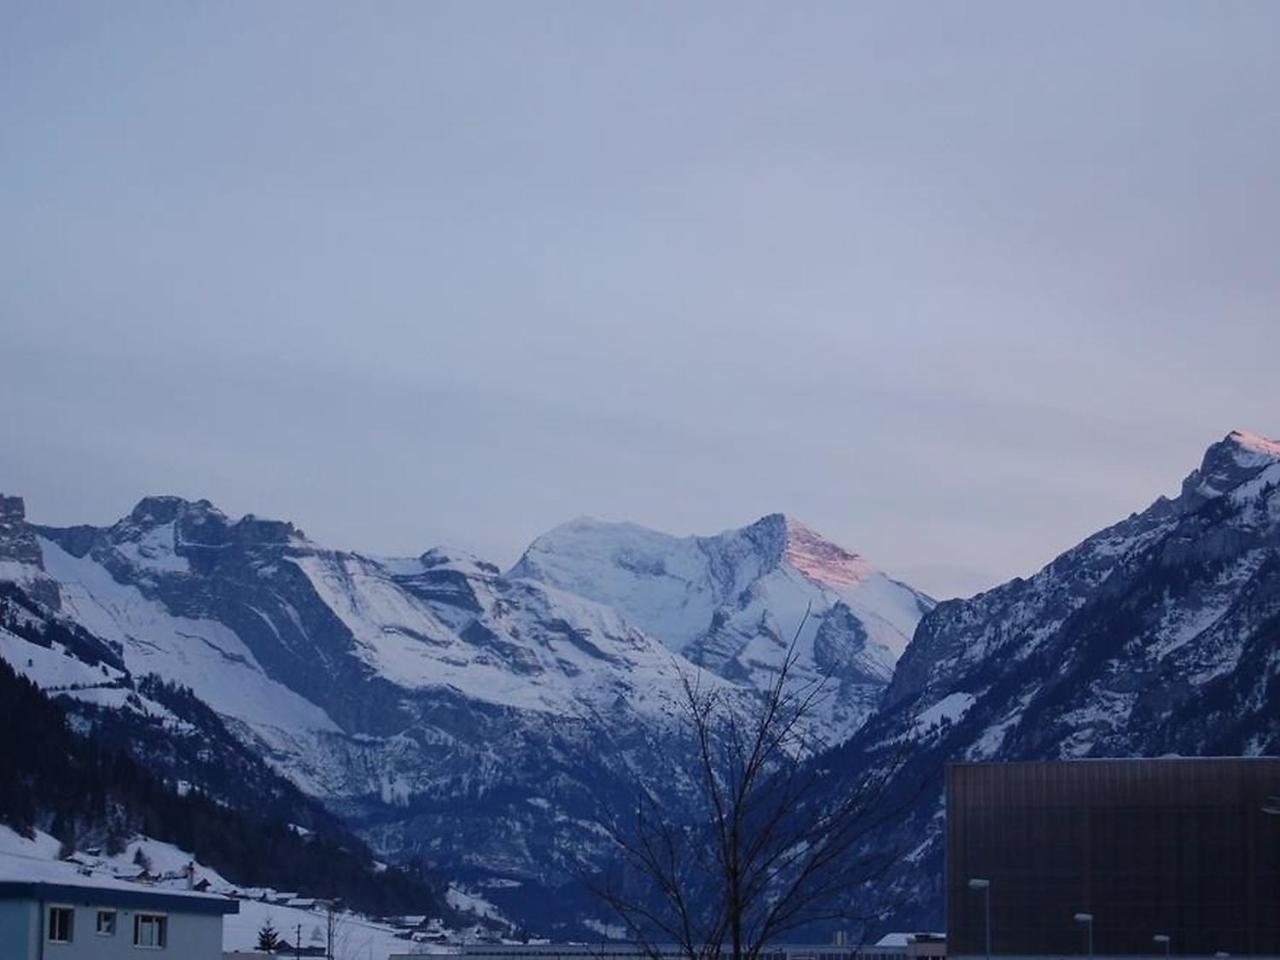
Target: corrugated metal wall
x,y
1173,846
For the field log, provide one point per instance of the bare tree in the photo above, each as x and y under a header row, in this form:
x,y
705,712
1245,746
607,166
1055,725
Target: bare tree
x,y
336,932
770,848
340,935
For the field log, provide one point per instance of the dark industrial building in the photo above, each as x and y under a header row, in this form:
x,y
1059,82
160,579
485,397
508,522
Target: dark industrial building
x,y
1130,852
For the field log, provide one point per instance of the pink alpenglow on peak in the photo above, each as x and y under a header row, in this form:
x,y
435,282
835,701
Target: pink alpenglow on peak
x,y
1256,444
1235,459
821,560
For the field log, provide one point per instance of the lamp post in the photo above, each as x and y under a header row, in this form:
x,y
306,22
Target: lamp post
x,y
1087,920
978,883
1164,939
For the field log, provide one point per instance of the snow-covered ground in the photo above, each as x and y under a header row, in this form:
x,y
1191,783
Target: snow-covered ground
x,y
355,938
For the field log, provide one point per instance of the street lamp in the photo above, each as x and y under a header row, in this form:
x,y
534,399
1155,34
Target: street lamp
x,y
1087,920
1164,939
978,883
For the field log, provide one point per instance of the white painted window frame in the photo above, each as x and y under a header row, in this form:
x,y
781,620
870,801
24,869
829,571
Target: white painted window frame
x,y
48,919
164,928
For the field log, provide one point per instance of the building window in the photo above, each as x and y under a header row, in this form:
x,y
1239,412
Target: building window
x,y
107,923
61,924
149,930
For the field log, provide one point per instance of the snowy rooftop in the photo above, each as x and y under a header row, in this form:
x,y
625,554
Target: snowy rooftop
x,y
24,876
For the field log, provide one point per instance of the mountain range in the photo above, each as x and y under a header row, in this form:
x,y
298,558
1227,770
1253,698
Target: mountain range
x,y
426,699
448,711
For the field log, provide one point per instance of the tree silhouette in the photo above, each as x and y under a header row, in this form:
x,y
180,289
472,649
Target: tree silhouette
x,y
771,848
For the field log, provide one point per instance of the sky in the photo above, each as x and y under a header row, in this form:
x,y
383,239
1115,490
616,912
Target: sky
x,y
955,284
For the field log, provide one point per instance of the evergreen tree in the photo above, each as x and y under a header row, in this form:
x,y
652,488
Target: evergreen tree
x,y
268,938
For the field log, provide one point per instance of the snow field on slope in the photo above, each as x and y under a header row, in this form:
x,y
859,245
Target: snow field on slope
x,y
52,668
950,708
659,582
154,550
202,654
672,587
531,667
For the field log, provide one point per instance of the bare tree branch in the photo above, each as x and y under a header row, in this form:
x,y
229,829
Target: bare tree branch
x,y
773,845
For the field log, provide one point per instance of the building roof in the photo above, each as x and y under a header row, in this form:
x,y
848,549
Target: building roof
x,y
22,879
1169,758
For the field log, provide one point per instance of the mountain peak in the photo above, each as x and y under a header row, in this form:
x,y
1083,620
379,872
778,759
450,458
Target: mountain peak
x,y
819,559
12,509
196,523
1254,445
15,535
1233,460
776,540
161,509
794,544
20,557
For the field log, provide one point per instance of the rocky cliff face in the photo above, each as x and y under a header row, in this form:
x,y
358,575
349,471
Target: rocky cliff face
x,y
1160,634
17,542
20,558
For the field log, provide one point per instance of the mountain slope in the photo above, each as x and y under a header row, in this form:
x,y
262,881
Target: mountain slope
x,y
1160,634
104,757
733,602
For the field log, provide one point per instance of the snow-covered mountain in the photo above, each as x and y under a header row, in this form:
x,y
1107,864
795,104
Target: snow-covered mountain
x,y
1160,634
425,699
734,602
442,708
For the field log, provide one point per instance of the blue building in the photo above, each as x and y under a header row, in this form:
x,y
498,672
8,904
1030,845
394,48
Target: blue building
x,y
82,917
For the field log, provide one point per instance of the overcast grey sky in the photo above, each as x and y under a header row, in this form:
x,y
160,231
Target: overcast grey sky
x,y
954,283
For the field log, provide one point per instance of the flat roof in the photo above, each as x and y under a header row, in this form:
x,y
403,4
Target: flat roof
x,y
1168,758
